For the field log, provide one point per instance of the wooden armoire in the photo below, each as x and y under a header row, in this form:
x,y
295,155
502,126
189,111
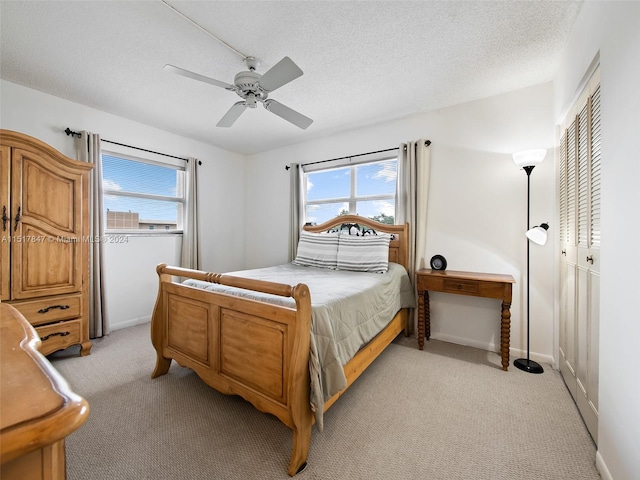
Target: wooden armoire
x,y
44,266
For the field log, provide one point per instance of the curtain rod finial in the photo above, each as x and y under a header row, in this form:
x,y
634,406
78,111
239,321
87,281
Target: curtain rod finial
x,y
68,131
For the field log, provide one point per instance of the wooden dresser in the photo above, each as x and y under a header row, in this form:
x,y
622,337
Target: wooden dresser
x,y
37,408
44,261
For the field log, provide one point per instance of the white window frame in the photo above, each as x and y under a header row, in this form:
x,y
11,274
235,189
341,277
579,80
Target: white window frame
x,y
353,163
151,159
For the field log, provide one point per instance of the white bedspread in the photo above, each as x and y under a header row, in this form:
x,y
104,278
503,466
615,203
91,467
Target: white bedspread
x,y
348,310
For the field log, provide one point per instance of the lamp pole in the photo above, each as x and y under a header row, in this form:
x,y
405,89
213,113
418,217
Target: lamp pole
x,y
527,364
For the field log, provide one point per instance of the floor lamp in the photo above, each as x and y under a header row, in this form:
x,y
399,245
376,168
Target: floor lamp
x,y
527,160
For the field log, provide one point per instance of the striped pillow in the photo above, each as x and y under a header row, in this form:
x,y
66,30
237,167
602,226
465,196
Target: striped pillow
x,y
369,253
317,250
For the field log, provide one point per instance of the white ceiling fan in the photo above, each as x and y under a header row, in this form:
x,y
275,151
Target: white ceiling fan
x,y
253,88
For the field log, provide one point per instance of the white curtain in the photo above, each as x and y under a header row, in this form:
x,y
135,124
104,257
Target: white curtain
x,y
190,247
88,150
296,213
412,195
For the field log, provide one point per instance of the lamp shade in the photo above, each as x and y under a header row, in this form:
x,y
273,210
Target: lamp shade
x,y
529,158
538,234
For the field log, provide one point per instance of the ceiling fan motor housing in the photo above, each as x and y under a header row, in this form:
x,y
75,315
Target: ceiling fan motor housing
x,y
247,81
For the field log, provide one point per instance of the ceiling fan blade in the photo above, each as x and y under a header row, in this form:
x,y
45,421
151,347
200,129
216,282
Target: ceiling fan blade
x,y
232,114
280,74
197,76
288,114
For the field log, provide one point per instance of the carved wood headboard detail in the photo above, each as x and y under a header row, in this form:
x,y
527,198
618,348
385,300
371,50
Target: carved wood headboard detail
x,y
398,246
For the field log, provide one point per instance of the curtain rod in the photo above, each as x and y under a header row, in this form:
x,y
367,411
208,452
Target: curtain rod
x,y
68,131
143,149
426,142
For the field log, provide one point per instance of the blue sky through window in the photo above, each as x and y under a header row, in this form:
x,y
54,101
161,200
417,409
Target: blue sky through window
x,y
332,189
124,175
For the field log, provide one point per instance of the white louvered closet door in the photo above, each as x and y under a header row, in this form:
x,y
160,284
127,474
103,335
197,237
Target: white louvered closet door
x,y
568,258
580,197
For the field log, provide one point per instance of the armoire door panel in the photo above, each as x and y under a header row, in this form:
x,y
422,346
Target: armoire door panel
x,y
47,266
47,194
49,227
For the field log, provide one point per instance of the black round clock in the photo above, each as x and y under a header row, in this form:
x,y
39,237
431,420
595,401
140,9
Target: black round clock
x,y
438,262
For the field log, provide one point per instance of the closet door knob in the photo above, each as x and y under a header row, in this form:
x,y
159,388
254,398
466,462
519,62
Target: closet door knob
x,y
590,259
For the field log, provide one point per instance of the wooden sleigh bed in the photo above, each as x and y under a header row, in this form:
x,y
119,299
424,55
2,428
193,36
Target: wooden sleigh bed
x,y
259,350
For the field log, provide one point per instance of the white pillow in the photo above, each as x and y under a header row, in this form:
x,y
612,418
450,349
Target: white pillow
x,y
369,253
317,250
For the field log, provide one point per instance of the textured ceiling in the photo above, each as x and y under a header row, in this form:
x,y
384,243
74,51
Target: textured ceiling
x,y
364,62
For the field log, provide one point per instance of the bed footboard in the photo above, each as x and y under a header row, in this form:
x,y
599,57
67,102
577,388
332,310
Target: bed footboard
x,y
240,346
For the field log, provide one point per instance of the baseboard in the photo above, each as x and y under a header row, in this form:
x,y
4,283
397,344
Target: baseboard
x,y
492,347
602,467
467,342
131,323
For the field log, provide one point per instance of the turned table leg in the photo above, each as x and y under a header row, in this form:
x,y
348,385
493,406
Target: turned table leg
x,y
424,318
427,316
505,330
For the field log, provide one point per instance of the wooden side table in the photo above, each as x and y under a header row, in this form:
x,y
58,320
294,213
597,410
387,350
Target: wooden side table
x,y
487,285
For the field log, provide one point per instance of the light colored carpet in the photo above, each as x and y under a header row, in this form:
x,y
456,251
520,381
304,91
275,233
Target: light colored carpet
x,y
448,412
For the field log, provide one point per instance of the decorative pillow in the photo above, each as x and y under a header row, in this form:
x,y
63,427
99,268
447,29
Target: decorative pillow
x,y
317,250
369,253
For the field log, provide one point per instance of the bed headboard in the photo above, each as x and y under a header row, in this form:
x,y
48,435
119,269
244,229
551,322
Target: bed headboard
x,y
398,246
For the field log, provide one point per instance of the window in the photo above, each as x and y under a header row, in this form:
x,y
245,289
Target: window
x,y
142,195
366,189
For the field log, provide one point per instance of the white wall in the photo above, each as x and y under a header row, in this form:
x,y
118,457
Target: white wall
x,y
477,207
612,31
131,281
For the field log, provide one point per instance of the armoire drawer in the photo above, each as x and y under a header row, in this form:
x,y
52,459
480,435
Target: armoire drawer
x,y
50,309
59,336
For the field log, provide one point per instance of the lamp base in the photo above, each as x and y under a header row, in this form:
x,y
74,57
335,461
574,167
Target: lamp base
x,y
528,365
